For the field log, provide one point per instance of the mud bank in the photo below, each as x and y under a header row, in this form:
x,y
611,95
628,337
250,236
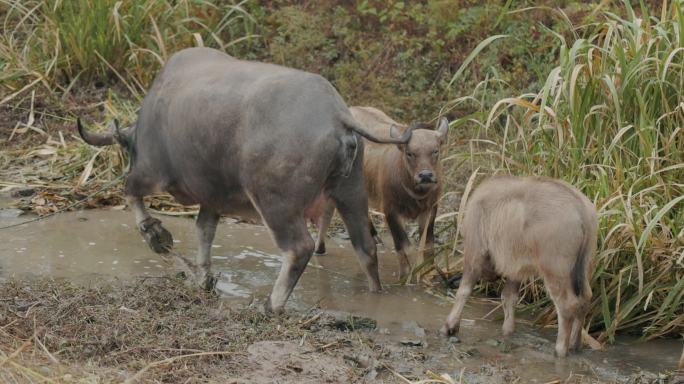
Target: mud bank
x,y
116,309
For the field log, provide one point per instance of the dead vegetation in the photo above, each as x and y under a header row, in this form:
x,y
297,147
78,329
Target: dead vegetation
x,y
161,330
153,330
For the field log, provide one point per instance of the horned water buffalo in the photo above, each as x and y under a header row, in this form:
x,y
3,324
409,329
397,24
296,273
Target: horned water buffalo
x,y
251,140
403,181
518,228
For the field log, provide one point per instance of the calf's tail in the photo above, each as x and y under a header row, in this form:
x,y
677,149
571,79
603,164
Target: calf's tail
x,y
579,272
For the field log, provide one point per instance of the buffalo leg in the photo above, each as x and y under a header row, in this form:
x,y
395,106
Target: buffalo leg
x,y
323,225
206,229
351,200
509,298
427,219
465,288
155,235
374,232
292,236
401,243
353,209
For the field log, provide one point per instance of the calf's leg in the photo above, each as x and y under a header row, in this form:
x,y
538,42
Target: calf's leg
x,y
567,305
509,298
576,333
206,229
155,235
564,328
465,288
578,323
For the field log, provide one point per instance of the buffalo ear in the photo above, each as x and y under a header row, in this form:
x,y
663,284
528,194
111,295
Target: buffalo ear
x,y
442,129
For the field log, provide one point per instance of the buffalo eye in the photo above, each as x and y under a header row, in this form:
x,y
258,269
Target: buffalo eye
x,y
435,153
410,155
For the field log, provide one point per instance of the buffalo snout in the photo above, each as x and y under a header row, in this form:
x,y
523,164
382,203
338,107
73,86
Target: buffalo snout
x,y
426,177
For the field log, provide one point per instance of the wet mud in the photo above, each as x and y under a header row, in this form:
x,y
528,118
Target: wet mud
x,y
91,247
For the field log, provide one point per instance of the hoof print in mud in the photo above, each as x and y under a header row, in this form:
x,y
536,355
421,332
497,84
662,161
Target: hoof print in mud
x,y
156,236
347,322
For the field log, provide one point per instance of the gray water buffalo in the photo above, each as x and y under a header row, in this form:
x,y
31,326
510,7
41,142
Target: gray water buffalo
x,y
403,181
519,228
252,140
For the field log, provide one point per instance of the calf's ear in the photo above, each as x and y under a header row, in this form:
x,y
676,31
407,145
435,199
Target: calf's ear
x,y
442,129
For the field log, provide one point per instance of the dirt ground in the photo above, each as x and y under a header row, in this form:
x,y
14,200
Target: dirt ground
x,y
160,330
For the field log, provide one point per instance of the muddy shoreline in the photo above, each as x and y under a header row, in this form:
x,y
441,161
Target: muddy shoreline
x,y
161,330
104,307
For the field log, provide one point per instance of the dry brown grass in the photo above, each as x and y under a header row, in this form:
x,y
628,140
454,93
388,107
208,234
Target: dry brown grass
x,y
161,330
51,329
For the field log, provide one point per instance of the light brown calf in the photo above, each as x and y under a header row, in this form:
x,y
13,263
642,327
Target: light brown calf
x,y
518,228
403,181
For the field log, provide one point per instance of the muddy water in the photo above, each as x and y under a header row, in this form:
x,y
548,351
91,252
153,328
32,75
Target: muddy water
x,y
93,245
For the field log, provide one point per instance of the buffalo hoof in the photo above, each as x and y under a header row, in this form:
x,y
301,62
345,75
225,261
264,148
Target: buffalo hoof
x,y
208,282
454,281
560,353
447,331
320,250
270,310
156,236
375,286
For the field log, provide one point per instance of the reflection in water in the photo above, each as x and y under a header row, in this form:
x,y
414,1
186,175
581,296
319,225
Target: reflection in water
x,y
94,245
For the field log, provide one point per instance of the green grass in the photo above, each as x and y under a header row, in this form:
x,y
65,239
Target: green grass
x,y
609,120
60,42
53,50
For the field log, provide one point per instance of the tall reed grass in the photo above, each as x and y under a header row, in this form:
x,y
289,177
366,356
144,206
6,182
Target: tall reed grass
x,y
51,48
57,42
609,120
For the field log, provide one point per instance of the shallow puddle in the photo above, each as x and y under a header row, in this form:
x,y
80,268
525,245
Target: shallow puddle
x,y
93,245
